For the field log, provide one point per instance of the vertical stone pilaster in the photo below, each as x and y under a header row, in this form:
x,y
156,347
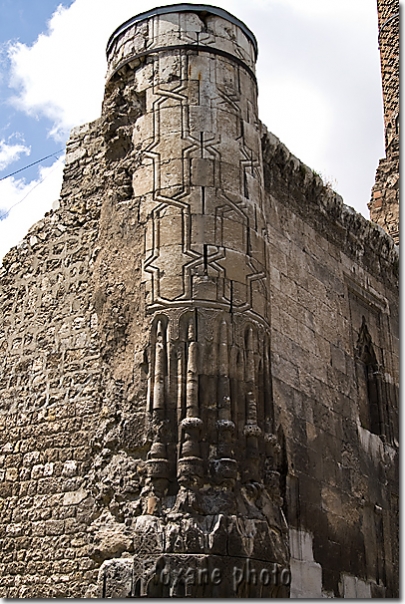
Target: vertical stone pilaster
x,y
190,462
158,465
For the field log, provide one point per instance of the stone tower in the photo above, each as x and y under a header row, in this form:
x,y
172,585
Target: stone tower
x,y
181,98
198,350
384,204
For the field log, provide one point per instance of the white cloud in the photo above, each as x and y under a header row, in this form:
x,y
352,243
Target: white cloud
x,y
54,78
285,98
11,152
62,75
319,9
318,73
22,204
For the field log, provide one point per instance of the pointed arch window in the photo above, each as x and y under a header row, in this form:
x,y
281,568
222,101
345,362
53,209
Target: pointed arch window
x,y
369,382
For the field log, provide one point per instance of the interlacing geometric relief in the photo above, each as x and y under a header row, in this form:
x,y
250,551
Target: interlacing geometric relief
x,y
202,194
210,474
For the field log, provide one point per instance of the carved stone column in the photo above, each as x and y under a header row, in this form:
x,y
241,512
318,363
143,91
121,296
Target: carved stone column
x,y
197,174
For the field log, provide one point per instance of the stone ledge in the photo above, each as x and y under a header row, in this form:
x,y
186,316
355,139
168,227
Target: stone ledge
x,y
291,182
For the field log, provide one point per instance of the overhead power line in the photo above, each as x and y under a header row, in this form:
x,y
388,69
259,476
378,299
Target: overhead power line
x,y
5,214
33,164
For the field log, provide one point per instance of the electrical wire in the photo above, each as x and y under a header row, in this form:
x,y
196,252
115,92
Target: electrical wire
x,y
33,164
6,213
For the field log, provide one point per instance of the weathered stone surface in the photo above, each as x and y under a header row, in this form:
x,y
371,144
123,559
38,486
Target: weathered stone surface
x,y
199,368
384,203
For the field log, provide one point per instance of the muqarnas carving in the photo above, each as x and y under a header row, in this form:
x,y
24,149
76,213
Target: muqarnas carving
x,y
213,475
211,493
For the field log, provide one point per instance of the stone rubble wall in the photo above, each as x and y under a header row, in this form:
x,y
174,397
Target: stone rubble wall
x,y
82,337
49,382
388,23
384,203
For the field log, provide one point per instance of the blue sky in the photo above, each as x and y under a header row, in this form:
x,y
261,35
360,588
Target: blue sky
x,y
318,74
23,21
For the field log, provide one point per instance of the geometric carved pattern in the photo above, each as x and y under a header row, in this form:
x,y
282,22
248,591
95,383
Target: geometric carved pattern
x,y
200,181
211,472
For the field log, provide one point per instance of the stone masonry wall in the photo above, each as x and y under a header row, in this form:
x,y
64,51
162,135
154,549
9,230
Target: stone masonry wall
x,y
84,485
388,24
50,402
334,285
384,204
341,487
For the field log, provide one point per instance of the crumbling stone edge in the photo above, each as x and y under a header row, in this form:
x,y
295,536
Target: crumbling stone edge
x,y
290,181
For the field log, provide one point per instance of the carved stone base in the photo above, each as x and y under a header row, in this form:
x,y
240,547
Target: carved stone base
x,y
197,576
213,556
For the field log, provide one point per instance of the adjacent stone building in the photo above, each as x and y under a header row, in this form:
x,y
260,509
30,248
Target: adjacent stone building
x,y
199,350
384,204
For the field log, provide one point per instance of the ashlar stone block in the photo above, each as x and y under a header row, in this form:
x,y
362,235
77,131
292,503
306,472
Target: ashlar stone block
x,y
200,120
202,172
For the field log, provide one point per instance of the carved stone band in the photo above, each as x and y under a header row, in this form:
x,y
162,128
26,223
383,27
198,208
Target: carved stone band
x,y
252,430
191,422
194,47
225,424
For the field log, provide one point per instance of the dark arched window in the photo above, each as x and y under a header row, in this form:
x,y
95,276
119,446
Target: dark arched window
x,y
369,384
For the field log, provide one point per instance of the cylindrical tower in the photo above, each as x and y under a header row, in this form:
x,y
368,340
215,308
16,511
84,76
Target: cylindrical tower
x,y
384,204
183,138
